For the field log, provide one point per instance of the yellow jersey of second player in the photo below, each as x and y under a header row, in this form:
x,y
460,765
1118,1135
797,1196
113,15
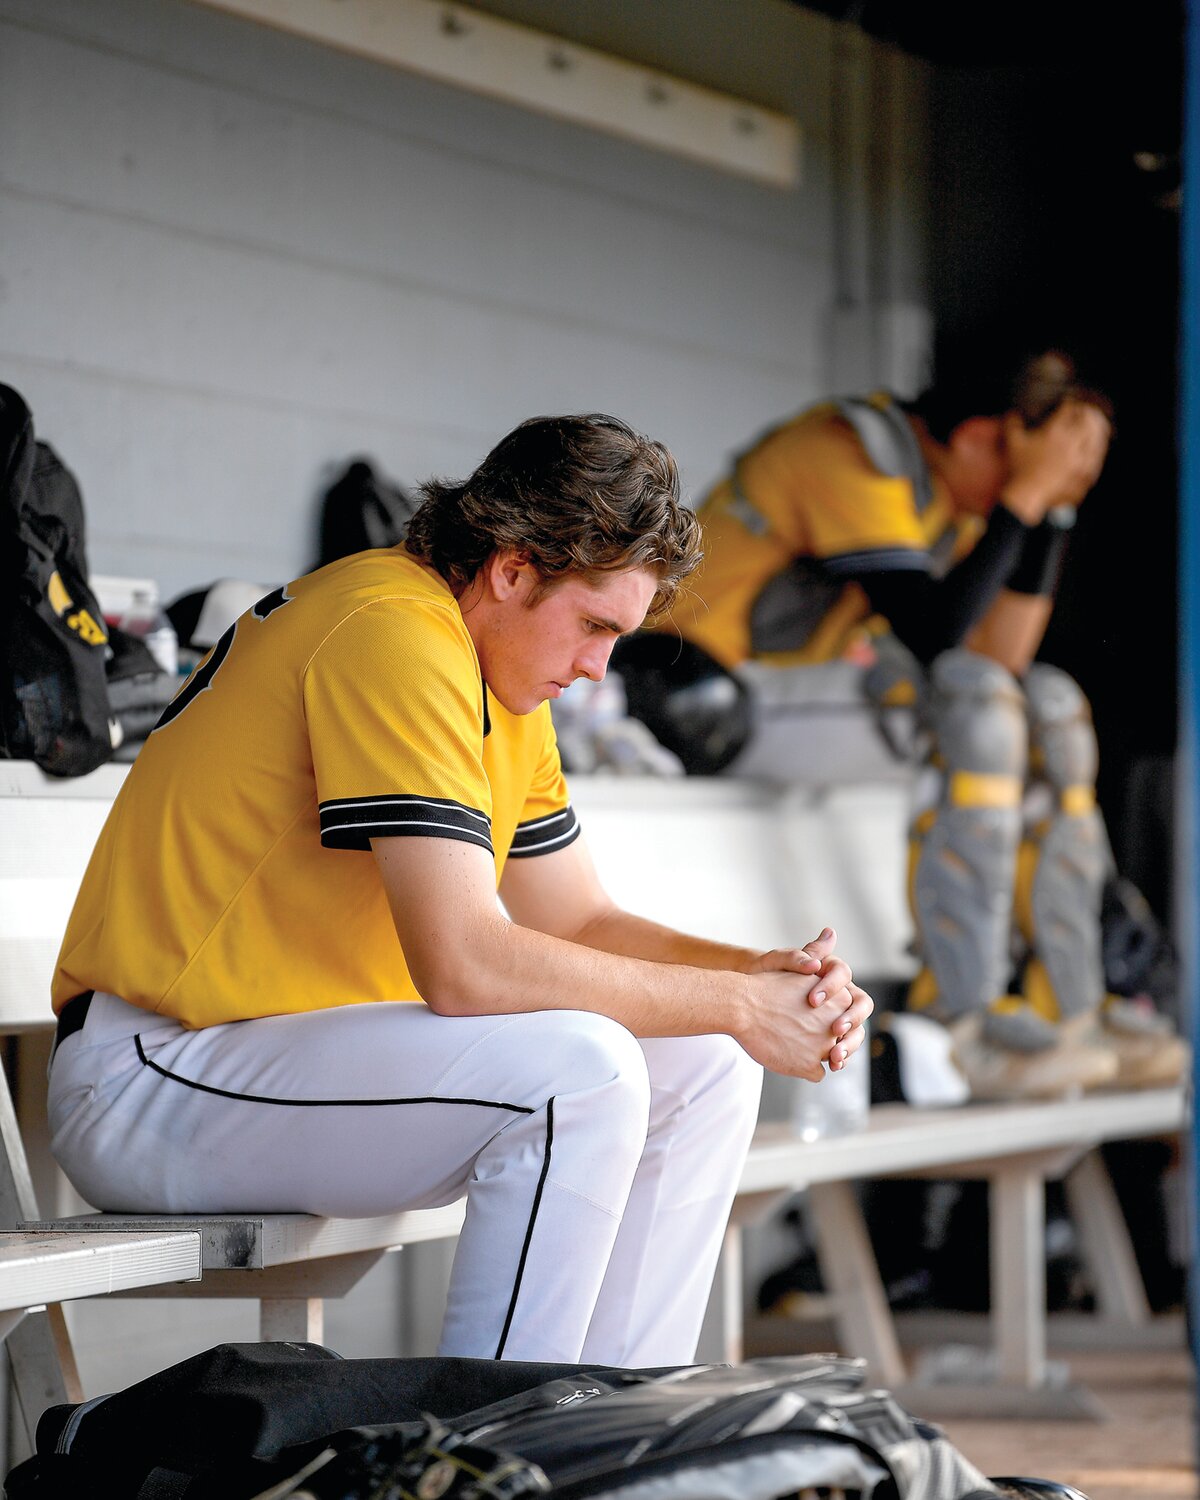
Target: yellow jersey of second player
x,y
808,495
234,876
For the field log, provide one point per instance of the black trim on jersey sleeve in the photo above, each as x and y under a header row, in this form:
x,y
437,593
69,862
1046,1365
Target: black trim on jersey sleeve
x,y
269,603
932,615
878,560
545,835
352,822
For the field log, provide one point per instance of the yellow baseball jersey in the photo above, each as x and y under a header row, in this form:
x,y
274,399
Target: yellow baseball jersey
x,y
808,491
234,876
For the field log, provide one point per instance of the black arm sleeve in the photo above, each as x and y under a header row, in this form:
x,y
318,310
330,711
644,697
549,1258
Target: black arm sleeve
x,y
1037,572
930,615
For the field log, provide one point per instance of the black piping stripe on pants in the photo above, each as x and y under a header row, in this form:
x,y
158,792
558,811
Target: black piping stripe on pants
x,y
520,1109
537,1200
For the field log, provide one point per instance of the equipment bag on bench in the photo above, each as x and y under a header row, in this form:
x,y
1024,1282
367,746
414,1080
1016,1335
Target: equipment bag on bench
x,y
54,706
247,1421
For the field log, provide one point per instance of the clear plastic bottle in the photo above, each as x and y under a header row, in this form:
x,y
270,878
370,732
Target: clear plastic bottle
x,y
838,1105
163,644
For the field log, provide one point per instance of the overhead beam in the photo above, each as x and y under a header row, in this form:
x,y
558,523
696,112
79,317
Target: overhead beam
x,y
504,60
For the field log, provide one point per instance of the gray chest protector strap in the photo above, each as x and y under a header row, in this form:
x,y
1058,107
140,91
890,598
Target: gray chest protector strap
x,y
890,443
887,439
1067,855
792,604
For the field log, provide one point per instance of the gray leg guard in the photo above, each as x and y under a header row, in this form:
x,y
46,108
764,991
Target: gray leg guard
x,y
965,848
1067,855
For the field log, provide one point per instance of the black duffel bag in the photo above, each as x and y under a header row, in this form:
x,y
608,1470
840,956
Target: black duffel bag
x,y
248,1422
54,706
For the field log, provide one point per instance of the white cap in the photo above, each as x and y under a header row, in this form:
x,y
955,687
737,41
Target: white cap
x,y
223,603
929,1075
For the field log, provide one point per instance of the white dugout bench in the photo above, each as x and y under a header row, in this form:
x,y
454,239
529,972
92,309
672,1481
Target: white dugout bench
x,y
737,861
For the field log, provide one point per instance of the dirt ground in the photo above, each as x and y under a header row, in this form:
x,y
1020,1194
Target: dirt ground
x,y
1146,1451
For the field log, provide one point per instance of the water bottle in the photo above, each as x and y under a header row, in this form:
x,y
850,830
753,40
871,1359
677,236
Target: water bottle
x,y
838,1105
163,644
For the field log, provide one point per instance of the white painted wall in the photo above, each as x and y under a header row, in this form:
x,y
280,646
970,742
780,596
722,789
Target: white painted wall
x,y
230,259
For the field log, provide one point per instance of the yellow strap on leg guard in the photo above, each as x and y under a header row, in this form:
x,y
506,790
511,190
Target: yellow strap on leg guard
x,y
923,992
979,789
1078,801
1028,857
1038,991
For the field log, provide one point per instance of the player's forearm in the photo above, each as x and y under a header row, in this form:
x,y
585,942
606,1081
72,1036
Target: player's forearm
x,y
622,932
1012,630
467,958
503,968
931,616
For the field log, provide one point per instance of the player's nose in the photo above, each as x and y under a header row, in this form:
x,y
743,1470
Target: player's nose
x,y
592,660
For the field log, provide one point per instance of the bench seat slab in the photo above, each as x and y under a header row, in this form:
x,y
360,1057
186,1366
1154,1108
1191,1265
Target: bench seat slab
x,y
257,1242
41,1267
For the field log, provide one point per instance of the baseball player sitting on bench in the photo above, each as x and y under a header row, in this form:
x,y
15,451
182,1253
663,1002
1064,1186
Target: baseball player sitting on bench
x,y
288,985
901,554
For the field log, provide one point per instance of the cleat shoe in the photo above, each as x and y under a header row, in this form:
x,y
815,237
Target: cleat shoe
x,y
1011,1055
1149,1051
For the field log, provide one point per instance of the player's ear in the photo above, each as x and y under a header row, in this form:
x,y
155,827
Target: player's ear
x,y
977,437
509,574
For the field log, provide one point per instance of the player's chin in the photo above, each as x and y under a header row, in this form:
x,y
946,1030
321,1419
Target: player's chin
x,y
523,700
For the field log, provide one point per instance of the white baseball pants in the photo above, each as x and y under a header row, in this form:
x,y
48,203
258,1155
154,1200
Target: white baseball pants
x,y
599,1169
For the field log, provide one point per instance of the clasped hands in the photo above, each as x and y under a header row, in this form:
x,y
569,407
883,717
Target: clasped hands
x,y
834,1000
1059,461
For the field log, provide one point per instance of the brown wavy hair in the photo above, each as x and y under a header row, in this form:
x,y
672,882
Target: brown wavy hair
x,y
579,495
988,377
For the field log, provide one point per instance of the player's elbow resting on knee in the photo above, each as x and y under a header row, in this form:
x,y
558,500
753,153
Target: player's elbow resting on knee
x,y
448,1002
455,988
458,969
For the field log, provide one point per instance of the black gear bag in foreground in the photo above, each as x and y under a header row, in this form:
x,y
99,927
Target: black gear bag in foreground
x,y
267,1421
54,706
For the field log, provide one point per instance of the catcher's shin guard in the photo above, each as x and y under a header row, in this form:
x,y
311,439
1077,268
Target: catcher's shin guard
x,y
1064,855
964,868
964,848
1063,864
